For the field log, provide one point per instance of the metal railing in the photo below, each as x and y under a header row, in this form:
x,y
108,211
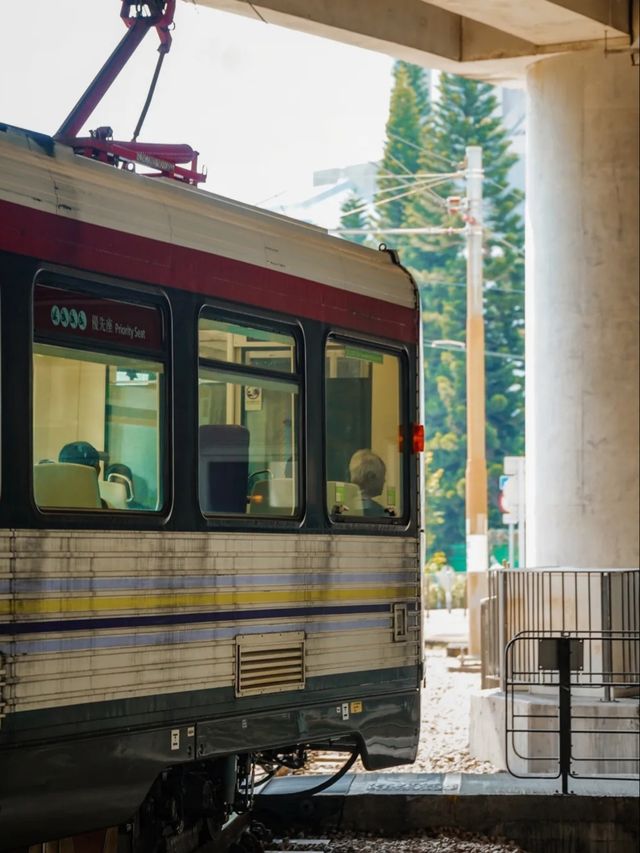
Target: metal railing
x,y
561,601
566,734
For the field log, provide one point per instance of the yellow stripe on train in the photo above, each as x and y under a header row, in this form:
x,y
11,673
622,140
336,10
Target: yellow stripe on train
x,y
174,601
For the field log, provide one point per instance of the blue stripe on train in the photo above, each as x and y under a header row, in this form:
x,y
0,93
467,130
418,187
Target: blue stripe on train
x,y
182,636
138,621
88,584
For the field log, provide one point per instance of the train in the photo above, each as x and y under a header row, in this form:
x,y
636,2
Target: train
x,y
210,501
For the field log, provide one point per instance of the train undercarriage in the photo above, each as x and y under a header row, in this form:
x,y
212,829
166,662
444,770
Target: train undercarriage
x,y
203,806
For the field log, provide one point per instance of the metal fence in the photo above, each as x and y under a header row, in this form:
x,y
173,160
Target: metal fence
x,y
563,601
564,647
560,731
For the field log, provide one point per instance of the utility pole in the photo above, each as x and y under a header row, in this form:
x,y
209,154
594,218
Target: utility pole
x,y
476,470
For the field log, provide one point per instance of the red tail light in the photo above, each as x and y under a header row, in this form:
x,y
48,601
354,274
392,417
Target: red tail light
x,y
417,438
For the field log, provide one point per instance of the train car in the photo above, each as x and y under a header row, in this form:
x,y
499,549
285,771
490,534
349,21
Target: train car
x,y
210,500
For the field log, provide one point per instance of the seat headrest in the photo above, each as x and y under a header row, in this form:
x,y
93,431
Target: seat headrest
x,y
115,494
65,485
344,494
223,438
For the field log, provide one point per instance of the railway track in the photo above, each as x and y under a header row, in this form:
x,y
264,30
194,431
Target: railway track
x,y
444,842
448,813
241,835
327,762
417,813
299,845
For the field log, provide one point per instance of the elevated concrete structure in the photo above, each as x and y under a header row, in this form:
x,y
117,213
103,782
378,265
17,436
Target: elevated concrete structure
x,y
582,312
606,743
488,39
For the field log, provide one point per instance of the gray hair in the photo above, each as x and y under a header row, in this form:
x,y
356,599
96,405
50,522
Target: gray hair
x,y
368,471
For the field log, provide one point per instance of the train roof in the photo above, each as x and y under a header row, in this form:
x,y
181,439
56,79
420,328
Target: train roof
x,y
38,173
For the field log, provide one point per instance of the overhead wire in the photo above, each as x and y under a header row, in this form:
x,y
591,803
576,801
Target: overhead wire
x,y
414,189
462,348
425,187
426,180
422,183
421,148
430,180
400,163
487,289
441,175
257,12
498,239
443,159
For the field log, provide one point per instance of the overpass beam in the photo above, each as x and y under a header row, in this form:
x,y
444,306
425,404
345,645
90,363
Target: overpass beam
x,y
582,311
490,40
413,30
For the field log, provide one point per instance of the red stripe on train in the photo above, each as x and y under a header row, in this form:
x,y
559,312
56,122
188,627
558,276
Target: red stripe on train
x,y
69,242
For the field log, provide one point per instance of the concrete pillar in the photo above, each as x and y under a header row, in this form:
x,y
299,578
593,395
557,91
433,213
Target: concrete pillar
x,y
582,311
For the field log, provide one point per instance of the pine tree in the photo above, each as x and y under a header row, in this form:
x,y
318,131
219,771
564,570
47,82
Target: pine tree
x,y
354,215
425,138
401,153
466,114
418,79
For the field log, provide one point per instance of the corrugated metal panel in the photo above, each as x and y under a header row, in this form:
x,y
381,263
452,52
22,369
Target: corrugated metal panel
x,y
270,663
259,586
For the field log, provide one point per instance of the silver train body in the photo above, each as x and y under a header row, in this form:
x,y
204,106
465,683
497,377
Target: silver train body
x,y
143,646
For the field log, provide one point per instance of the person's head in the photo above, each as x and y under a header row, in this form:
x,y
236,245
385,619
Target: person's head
x,y
119,473
80,453
367,471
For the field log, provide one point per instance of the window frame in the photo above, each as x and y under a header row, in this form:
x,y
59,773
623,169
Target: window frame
x,y
401,352
254,319
135,294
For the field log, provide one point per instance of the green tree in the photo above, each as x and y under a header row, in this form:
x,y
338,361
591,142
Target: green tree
x,y
434,515
354,215
425,138
401,157
419,80
467,114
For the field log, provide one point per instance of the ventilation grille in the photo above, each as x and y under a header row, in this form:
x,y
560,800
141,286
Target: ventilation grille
x,y
269,663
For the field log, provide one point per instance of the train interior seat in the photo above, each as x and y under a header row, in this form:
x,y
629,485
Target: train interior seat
x,y
66,485
347,496
115,494
223,467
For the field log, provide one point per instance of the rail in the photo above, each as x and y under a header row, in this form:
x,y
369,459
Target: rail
x,y
561,601
561,732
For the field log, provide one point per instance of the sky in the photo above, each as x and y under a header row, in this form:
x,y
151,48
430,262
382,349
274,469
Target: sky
x,y
264,106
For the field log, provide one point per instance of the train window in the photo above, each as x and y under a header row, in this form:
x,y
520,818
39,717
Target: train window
x,y
364,422
239,344
249,403
98,390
